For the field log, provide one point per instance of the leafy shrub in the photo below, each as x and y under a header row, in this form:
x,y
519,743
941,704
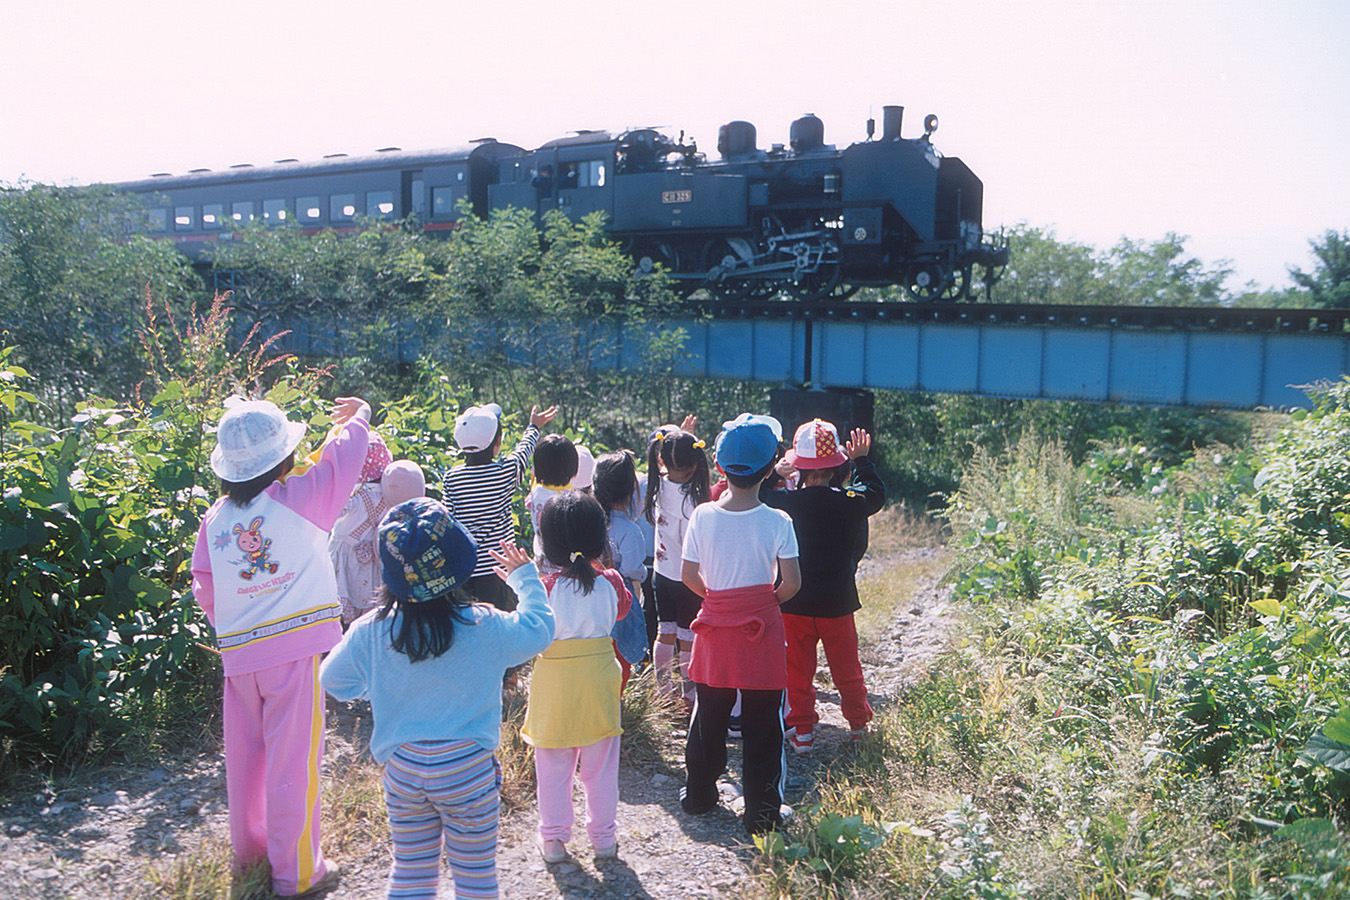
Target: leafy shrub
x,y
96,531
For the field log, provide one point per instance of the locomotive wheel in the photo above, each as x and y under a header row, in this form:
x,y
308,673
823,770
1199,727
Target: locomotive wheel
x,y
720,256
665,253
958,286
843,291
817,285
928,281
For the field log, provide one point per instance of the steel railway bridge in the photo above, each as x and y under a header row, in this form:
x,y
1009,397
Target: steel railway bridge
x,y
1155,356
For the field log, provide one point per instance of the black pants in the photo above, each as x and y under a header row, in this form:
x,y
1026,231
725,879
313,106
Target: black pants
x,y
763,762
491,589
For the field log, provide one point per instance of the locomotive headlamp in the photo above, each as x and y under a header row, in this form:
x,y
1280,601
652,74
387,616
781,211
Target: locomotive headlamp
x,y
930,124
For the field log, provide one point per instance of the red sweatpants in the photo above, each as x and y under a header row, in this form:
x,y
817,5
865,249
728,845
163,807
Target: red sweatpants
x,y
840,637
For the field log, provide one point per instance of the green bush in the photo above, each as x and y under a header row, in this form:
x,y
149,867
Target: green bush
x,y
96,531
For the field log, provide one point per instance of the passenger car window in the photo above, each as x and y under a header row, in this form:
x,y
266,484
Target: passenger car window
x,y
443,201
308,209
274,211
341,207
158,220
380,204
242,211
212,213
184,218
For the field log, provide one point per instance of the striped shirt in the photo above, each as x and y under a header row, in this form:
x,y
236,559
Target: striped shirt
x,y
479,497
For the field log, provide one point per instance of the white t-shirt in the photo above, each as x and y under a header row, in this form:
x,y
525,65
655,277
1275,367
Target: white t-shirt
x,y
736,549
578,615
673,508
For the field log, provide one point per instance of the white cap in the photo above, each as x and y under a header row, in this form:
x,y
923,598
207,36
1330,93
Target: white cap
x,y
585,468
403,480
253,436
743,418
476,427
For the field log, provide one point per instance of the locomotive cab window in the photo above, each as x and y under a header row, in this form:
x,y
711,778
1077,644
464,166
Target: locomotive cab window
x,y
212,214
341,207
308,209
242,211
380,204
275,212
591,173
183,218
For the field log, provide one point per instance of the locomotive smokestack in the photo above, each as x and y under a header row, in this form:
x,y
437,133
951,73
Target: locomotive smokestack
x,y
891,116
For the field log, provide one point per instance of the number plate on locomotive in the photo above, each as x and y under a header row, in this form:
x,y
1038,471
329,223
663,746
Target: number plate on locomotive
x,y
677,196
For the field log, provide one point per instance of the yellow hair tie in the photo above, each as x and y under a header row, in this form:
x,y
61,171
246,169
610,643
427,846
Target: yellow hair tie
x,y
660,437
576,555
699,445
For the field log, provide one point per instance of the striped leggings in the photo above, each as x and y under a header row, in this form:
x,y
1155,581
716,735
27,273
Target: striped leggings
x,y
443,793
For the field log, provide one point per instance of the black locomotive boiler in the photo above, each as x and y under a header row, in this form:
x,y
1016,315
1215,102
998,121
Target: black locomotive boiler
x,y
807,219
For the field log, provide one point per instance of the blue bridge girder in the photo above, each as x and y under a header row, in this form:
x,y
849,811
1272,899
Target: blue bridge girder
x,y
1157,356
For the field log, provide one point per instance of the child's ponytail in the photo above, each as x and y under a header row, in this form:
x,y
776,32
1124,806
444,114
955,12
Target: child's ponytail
x,y
682,450
575,532
655,453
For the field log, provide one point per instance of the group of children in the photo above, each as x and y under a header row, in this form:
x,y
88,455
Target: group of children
x,y
747,579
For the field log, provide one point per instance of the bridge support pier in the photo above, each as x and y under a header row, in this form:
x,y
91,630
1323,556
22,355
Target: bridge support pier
x,y
845,408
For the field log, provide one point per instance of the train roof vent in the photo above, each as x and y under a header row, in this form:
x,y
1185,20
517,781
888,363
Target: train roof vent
x,y
242,166
487,140
388,149
160,174
286,160
197,171
333,155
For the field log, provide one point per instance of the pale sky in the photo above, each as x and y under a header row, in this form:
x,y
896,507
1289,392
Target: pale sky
x,y
1226,121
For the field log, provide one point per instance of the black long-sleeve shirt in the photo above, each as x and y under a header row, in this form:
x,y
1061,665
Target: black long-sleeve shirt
x,y
831,526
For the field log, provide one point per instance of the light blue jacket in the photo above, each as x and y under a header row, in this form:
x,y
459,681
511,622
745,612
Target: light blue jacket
x,y
455,696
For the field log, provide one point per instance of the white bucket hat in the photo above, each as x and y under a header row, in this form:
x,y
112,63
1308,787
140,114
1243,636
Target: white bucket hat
x,y
252,437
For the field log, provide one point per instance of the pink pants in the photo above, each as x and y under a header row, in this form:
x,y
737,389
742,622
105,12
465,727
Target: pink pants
x,y
273,747
840,637
555,769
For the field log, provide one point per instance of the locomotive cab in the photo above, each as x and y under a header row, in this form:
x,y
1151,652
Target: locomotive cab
x,y
574,174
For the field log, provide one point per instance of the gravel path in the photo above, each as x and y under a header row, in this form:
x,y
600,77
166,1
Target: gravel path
x,y
113,832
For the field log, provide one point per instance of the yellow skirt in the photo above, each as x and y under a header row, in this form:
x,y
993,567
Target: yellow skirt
x,y
574,694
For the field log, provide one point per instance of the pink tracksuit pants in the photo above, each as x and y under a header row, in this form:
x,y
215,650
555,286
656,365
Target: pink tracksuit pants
x,y
273,747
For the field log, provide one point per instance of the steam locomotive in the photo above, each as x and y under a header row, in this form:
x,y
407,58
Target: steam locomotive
x,y
807,220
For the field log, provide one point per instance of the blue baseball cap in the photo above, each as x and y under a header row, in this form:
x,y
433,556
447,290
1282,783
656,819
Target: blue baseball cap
x,y
745,447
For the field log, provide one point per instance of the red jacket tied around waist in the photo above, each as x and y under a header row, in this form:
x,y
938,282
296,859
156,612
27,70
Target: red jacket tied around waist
x,y
739,640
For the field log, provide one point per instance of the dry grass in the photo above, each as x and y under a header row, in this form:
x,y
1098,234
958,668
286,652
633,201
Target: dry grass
x,y
647,714
204,875
906,554
515,757
354,816
896,529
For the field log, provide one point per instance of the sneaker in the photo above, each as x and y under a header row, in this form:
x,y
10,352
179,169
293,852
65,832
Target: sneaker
x,y
610,852
801,742
553,851
734,728
328,880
